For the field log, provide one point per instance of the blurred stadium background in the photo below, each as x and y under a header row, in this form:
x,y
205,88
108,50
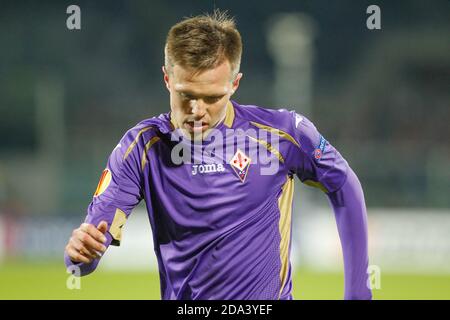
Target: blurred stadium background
x,y
382,97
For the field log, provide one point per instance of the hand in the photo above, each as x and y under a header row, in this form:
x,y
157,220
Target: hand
x,y
87,242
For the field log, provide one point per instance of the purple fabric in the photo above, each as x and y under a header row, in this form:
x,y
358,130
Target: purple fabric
x,y
216,236
350,213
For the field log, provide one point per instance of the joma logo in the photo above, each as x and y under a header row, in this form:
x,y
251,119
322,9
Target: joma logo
x,y
207,168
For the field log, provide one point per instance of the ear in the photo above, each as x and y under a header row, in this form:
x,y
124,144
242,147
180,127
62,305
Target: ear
x,y
236,82
166,77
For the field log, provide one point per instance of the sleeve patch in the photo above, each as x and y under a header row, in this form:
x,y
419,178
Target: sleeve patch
x,y
103,183
318,152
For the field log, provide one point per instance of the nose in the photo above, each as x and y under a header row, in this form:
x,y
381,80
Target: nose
x,y
198,108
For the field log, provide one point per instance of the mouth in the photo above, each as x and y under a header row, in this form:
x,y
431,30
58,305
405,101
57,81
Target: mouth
x,y
196,126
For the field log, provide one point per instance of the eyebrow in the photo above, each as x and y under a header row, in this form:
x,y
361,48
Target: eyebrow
x,y
193,94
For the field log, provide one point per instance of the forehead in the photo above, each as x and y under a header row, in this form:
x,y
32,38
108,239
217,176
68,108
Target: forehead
x,y
215,80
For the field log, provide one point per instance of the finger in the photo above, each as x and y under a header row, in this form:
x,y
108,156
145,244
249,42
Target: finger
x,y
93,232
90,243
78,245
102,226
75,256
91,255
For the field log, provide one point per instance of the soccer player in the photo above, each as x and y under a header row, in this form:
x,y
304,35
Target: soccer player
x,y
221,221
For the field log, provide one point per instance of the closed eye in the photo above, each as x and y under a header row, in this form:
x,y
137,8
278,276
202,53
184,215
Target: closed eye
x,y
208,99
186,96
214,99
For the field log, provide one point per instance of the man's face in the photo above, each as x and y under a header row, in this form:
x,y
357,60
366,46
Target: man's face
x,y
198,101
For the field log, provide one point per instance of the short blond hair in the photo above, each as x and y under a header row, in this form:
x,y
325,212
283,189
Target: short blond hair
x,y
203,42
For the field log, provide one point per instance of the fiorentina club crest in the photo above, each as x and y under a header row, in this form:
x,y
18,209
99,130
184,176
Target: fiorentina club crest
x,y
240,164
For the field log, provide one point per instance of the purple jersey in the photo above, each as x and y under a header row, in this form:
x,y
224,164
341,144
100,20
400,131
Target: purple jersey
x,y
221,229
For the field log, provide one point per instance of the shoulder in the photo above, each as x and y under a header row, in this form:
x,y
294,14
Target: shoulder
x,y
139,137
288,123
276,118
148,129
